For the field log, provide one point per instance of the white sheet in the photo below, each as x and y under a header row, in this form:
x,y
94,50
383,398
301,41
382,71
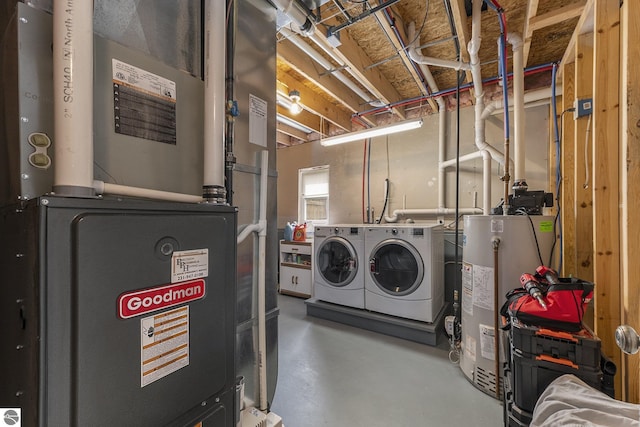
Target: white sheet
x,y
569,401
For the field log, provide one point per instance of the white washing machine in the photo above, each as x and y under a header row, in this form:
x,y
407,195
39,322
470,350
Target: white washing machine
x,y
405,277
339,267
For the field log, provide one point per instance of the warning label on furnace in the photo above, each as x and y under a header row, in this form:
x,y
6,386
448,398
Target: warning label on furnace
x,y
188,265
144,104
164,344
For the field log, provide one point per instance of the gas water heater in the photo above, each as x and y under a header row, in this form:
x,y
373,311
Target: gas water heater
x,y
519,243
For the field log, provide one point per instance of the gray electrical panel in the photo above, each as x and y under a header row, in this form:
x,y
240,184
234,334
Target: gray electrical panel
x,y
118,312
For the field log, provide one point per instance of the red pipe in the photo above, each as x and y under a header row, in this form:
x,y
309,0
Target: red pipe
x,y
357,116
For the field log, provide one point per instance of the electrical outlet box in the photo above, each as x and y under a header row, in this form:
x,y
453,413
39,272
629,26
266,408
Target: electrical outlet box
x,y
583,107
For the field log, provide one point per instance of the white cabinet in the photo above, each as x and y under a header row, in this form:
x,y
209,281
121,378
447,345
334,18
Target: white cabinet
x,y
295,268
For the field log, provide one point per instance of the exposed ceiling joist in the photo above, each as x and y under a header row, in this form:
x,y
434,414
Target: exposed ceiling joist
x,y
290,55
408,63
584,25
532,11
462,29
556,16
358,62
314,103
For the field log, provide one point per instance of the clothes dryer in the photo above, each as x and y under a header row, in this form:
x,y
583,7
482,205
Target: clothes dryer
x,y
339,268
406,270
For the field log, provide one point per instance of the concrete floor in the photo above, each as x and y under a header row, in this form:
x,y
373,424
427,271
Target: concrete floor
x,y
335,375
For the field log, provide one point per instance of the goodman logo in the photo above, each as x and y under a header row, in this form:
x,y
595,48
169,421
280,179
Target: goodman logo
x,y
134,304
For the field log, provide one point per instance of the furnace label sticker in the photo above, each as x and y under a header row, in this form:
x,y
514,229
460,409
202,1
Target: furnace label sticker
x,y
483,287
164,348
467,287
144,104
497,226
188,265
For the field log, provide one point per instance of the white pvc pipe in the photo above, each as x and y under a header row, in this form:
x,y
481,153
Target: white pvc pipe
x,y
297,15
464,158
427,60
73,97
214,93
529,97
480,137
442,114
262,239
247,231
324,63
101,187
486,182
434,211
518,107
261,229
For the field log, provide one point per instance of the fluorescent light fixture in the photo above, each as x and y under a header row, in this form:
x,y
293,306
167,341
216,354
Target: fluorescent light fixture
x,y
287,121
370,133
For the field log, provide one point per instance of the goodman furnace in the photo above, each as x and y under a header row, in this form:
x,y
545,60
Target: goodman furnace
x,y
118,312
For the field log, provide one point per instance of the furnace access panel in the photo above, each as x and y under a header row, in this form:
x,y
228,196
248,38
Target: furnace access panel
x,y
119,312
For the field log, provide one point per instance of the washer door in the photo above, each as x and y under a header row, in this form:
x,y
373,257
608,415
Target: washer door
x,y
336,261
396,267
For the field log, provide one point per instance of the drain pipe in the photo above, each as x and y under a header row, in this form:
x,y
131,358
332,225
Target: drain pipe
x,y
261,228
427,60
481,144
433,211
519,180
442,116
213,189
529,97
73,98
442,109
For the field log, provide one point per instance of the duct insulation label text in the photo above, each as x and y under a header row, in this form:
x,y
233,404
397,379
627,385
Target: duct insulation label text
x,y
188,265
164,345
136,303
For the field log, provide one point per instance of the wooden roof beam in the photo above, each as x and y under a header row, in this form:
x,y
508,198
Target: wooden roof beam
x,y
295,59
462,30
314,103
557,16
527,32
358,62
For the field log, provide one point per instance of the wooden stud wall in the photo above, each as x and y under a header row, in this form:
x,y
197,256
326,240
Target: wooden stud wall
x,y
582,142
606,154
605,229
567,196
630,176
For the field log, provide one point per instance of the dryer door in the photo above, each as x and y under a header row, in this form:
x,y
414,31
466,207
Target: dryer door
x,y
396,267
337,262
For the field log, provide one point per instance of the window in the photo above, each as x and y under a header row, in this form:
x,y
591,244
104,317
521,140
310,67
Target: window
x,y
313,197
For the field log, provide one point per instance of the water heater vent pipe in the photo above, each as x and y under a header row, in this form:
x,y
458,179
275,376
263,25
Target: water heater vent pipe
x,y
73,97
